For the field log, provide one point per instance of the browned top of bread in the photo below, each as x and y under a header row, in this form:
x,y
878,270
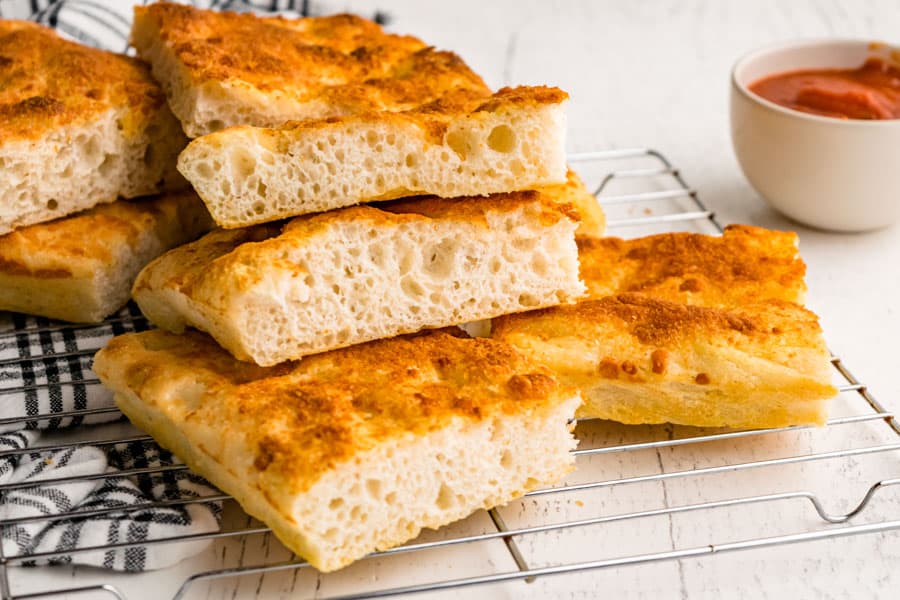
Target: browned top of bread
x,y
432,118
346,61
473,209
47,82
80,245
636,335
304,418
656,322
591,218
744,265
243,257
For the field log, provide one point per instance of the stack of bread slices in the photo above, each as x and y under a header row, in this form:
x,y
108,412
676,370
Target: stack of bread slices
x,y
371,195
81,132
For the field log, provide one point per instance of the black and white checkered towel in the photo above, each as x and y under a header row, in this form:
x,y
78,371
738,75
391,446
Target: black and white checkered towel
x,y
32,386
45,370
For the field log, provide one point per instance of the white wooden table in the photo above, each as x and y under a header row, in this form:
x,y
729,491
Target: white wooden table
x,y
655,74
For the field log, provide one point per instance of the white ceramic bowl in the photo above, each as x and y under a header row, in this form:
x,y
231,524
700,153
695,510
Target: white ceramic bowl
x,y
837,174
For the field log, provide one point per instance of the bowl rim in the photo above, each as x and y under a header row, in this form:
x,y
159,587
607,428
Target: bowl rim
x,y
805,43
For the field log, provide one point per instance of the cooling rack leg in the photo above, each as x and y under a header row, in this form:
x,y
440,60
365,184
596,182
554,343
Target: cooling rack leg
x,y
510,543
5,594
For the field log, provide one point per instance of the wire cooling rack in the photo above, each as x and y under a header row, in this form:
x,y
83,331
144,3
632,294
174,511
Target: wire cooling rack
x,y
686,482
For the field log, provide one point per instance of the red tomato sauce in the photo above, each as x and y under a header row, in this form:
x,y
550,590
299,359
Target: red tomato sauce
x,y
870,92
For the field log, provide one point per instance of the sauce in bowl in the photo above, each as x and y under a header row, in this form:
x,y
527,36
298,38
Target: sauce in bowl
x,y
870,92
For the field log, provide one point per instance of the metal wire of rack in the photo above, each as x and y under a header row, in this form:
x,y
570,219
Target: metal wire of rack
x,y
668,204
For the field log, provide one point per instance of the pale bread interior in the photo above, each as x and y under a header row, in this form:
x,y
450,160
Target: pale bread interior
x,y
747,392
353,282
86,299
800,402
79,166
250,175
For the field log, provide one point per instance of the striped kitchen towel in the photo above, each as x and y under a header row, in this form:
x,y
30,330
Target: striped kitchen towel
x,y
44,493
68,503
46,380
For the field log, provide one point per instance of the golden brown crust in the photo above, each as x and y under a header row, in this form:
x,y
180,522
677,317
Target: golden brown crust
x,y
47,83
524,96
82,244
746,264
660,324
474,209
586,207
432,119
304,418
347,62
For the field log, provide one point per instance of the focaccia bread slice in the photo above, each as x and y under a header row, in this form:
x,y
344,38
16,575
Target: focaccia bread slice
x,y
638,359
282,291
591,218
745,264
460,145
354,450
78,127
81,268
222,68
